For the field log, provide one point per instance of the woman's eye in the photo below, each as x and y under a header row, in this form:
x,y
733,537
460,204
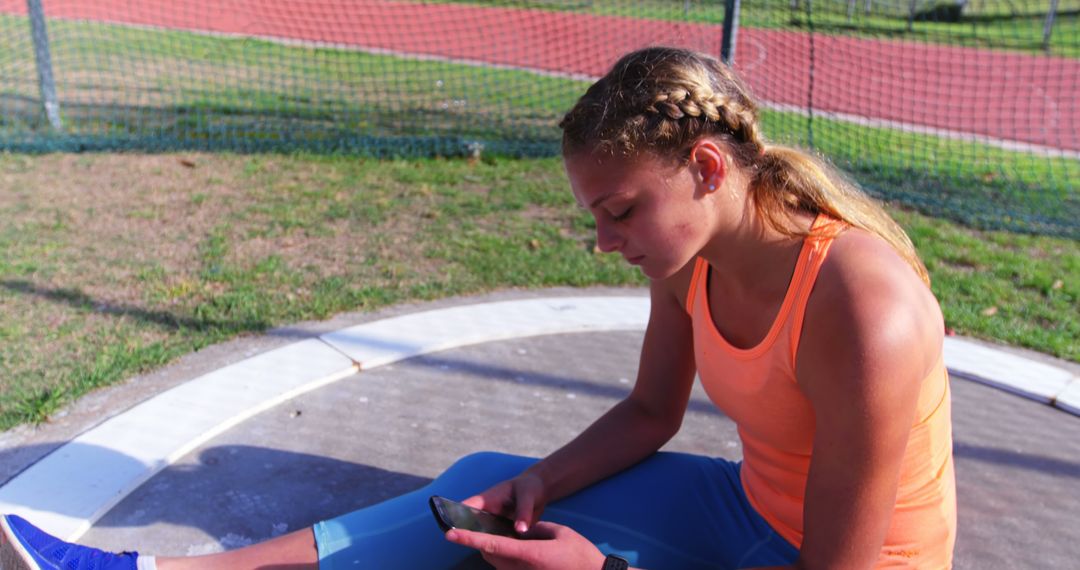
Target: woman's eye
x,y
622,216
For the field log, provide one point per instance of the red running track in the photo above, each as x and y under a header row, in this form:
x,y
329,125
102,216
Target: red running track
x,y
1013,97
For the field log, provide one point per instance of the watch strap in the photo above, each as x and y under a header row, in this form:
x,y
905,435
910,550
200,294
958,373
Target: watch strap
x,y
613,562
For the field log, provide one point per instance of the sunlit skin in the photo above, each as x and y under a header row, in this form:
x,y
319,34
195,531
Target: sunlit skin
x,y
862,378
655,214
660,215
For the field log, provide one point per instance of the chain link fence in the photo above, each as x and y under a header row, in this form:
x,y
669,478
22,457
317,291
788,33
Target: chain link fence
x,y
965,109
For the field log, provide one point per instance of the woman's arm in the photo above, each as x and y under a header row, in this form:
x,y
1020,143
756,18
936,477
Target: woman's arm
x,y
650,416
631,431
872,333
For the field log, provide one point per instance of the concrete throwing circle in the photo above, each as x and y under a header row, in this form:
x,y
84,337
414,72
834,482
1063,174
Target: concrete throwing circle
x,y
71,488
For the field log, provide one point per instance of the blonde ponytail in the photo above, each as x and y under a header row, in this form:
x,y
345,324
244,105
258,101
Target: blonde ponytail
x,y
788,179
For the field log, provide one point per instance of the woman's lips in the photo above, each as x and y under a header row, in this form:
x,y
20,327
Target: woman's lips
x,y
635,260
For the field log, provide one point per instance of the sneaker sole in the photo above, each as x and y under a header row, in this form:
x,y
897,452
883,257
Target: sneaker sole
x,y
12,554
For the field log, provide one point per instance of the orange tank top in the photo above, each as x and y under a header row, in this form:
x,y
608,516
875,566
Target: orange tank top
x,y
757,389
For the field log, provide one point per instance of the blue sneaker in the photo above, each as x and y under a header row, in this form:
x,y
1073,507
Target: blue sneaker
x,y
25,547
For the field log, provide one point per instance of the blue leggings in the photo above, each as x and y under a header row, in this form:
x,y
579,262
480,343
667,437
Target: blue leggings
x,y
672,510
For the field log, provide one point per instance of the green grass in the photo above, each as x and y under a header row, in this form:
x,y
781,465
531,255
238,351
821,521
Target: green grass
x,y
112,265
191,257
1014,289
188,81
978,184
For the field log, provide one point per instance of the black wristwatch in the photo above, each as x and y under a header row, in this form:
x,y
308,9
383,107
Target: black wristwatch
x,y
613,562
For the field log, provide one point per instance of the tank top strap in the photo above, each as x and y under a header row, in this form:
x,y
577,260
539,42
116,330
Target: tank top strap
x,y
812,255
822,234
700,266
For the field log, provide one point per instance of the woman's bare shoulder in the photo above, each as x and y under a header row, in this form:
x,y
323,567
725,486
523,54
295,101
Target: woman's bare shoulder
x,y
867,292
858,259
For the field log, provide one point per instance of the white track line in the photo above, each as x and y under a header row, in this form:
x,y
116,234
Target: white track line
x,y
1004,144
71,488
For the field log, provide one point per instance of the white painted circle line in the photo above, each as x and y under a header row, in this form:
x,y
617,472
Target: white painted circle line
x,y
1016,374
1069,398
68,490
382,342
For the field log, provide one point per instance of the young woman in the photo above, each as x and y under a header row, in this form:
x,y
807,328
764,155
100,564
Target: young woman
x,y
800,304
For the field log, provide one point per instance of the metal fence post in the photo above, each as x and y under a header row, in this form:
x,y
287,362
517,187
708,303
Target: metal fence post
x,y
731,30
1049,25
44,63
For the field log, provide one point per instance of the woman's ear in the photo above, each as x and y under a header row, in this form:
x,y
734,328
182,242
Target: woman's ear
x,y
710,163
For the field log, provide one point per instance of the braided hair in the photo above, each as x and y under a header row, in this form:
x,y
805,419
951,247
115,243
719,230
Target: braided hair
x,y
663,100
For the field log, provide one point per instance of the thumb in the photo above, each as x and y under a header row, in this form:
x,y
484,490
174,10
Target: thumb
x,y
488,544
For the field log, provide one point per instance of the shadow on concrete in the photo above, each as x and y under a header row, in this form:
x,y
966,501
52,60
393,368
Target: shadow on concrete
x,y
234,496
1006,457
485,370
505,373
237,495
265,487
256,492
15,460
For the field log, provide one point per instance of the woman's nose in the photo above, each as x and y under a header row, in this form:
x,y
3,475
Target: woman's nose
x,y
607,239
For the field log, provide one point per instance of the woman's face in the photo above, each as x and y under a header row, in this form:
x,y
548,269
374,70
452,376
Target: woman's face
x,y
656,214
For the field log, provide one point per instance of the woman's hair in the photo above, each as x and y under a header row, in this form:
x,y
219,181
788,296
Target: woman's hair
x,y
663,100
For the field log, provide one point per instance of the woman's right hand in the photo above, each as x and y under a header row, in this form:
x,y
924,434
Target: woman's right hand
x,y
521,499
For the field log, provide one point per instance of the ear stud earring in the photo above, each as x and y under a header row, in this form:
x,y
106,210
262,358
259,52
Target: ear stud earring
x,y
712,187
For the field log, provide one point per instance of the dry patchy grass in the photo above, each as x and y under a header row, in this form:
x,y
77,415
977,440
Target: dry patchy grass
x,y
111,264
114,263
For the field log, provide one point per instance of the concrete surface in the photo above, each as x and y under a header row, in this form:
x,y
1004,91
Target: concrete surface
x,y
391,429
23,446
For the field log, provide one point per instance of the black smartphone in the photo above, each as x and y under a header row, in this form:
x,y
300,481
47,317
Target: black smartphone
x,y
452,514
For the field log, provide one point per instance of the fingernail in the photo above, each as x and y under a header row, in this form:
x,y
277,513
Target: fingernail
x,y
522,527
451,535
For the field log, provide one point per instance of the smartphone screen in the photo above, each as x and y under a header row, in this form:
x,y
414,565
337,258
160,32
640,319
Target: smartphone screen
x,y
451,514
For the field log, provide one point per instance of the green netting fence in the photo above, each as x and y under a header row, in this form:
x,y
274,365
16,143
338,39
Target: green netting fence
x,y
966,109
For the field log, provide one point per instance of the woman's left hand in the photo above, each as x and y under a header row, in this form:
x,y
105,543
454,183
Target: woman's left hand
x,y
546,546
